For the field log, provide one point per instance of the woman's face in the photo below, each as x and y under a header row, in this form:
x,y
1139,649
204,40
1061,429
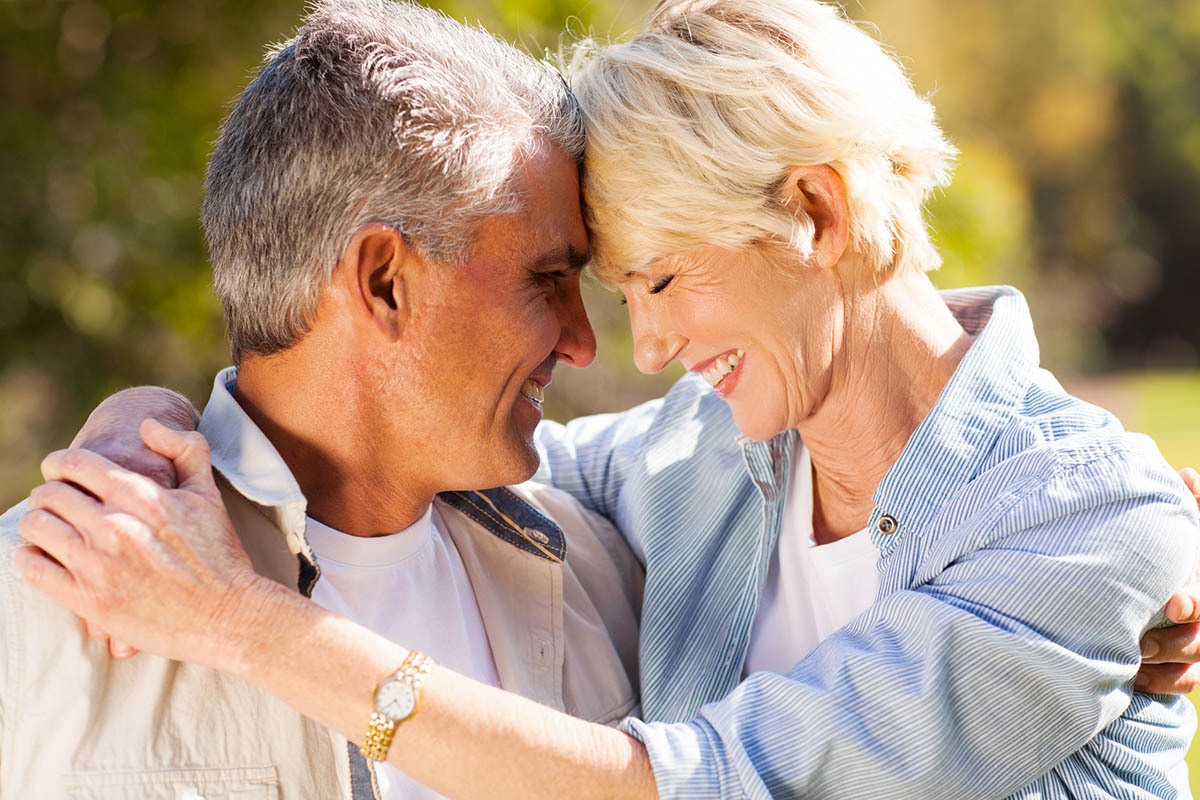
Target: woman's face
x,y
760,326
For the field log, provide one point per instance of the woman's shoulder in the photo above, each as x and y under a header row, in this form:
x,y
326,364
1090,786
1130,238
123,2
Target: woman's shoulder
x,y
1064,463
1053,434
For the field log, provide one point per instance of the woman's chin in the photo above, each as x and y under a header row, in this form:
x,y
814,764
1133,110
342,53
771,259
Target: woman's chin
x,y
753,426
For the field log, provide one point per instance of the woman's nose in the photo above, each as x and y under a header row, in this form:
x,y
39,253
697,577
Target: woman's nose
x,y
655,343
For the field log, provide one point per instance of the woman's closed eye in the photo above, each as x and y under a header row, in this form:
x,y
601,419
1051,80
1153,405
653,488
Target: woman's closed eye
x,y
661,284
655,287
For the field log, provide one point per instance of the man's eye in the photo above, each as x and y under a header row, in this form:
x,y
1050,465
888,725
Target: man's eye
x,y
553,276
661,284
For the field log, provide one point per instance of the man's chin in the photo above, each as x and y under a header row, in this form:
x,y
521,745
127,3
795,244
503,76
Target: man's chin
x,y
518,465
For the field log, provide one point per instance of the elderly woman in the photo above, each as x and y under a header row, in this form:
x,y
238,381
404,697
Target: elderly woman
x,y
932,563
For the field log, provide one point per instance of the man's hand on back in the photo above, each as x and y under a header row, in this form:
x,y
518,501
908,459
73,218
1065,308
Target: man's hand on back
x,y
1171,656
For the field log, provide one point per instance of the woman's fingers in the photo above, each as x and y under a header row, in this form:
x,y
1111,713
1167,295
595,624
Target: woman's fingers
x,y
119,650
47,575
77,513
114,486
116,648
44,529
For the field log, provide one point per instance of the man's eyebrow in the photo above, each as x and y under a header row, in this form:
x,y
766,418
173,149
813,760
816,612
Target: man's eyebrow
x,y
575,260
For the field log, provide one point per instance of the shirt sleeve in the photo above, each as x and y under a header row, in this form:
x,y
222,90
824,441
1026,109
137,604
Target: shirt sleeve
x,y
590,458
1015,645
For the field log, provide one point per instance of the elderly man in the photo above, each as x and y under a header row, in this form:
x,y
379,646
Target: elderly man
x,y
393,219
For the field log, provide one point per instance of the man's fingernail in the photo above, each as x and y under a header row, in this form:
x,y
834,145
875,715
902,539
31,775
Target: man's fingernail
x,y
1149,648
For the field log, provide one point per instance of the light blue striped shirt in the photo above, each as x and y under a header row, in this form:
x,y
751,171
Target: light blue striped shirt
x,y
1036,542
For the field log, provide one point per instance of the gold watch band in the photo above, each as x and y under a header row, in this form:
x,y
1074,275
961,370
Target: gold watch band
x,y
380,729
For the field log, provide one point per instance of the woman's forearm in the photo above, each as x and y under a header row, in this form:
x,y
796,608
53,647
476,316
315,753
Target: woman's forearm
x,y
165,571
466,739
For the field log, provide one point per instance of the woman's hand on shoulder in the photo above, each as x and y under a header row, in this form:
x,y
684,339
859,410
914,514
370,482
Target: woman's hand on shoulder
x,y
1171,655
160,569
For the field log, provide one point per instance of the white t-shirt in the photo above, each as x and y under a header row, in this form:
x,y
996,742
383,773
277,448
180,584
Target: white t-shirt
x,y
811,590
412,588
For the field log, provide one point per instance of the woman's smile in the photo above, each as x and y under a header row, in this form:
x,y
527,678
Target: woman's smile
x,y
722,372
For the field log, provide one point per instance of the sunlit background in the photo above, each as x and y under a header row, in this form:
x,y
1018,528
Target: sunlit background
x,y
1078,123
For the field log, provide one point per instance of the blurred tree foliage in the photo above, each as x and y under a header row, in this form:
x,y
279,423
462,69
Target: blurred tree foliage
x,y
1079,180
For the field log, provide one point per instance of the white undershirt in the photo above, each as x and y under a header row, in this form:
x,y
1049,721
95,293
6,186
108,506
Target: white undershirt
x,y
412,588
811,590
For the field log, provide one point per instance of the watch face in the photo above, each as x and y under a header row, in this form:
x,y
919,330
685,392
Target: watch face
x,y
395,699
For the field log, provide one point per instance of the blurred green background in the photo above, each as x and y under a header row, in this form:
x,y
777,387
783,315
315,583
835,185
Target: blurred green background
x,y
1079,182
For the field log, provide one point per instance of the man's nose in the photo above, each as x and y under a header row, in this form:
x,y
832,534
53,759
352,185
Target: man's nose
x,y
655,344
576,340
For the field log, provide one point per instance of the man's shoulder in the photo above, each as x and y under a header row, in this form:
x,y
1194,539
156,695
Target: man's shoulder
x,y
9,539
564,510
24,607
578,524
689,404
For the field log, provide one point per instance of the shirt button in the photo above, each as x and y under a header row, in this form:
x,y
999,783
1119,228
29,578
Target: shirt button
x,y
887,524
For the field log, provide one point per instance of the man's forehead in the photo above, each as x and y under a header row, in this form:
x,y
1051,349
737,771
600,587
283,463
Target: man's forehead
x,y
522,240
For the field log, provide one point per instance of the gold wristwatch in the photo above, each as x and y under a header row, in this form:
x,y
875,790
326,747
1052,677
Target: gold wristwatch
x,y
396,699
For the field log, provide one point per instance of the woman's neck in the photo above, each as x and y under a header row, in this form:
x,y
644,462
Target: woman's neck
x,y
898,348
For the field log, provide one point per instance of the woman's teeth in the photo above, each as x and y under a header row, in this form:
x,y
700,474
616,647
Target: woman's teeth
x,y
716,371
533,390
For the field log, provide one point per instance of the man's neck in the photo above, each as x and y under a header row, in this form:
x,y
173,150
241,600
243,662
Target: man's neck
x,y
318,420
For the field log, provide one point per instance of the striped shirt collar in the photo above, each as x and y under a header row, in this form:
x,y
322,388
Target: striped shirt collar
x,y
949,446
969,414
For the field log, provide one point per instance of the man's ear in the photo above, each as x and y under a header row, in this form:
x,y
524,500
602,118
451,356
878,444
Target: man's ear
x,y
819,193
375,266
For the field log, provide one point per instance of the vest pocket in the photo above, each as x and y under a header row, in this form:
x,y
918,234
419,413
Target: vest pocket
x,y
189,783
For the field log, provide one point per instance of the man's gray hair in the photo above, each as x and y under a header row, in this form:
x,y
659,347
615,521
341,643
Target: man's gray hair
x,y
376,111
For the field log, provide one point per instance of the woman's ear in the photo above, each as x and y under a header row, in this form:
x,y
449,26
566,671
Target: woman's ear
x,y
374,266
819,193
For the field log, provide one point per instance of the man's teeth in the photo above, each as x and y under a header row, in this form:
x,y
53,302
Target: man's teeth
x,y
724,365
533,390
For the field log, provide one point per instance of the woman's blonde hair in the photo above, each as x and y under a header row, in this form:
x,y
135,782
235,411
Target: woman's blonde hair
x,y
694,124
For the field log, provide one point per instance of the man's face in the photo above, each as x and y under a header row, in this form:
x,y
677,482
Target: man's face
x,y
484,336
